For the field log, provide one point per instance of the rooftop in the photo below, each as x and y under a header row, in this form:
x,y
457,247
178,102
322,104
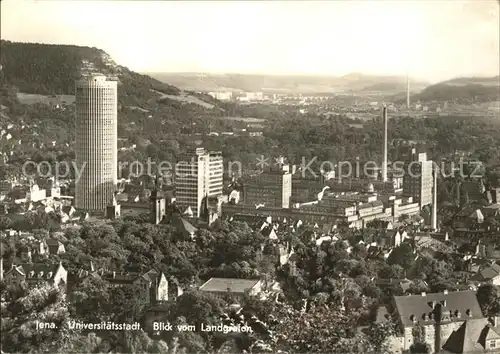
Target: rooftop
x,y
460,304
471,337
38,270
232,285
490,272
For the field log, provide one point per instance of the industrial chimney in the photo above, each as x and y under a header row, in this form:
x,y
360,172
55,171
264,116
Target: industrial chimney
x,y
384,148
434,201
408,91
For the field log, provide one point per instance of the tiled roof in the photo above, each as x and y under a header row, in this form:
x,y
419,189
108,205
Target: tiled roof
x,y
183,225
490,333
38,270
127,278
229,285
422,242
490,272
152,276
267,231
375,252
470,337
421,306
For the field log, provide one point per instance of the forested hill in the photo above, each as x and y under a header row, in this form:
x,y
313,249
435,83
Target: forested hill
x,y
37,84
49,69
463,89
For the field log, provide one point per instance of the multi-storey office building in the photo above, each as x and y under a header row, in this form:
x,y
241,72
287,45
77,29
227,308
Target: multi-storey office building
x,y
272,188
198,176
417,178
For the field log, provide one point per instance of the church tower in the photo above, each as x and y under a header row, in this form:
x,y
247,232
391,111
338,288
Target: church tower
x,y
157,203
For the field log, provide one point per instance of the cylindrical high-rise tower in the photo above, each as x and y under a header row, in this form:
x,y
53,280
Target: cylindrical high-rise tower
x,y
96,142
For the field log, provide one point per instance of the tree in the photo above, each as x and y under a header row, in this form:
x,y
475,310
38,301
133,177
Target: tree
x,y
128,302
403,217
136,342
378,333
321,329
437,273
420,348
5,222
91,300
466,199
419,345
488,297
25,310
197,308
402,256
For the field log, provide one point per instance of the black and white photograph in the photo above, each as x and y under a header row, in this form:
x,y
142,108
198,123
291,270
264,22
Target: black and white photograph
x,y
250,177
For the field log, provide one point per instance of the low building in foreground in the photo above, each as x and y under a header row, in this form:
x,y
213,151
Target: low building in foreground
x,y
449,321
231,286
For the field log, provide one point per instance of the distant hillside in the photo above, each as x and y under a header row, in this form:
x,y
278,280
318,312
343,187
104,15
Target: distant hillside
x,y
362,83
46,69
482,89
387,87
484,81
37,96
354,82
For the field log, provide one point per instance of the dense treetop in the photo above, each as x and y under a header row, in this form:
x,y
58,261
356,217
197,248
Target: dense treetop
x,y
52,70
325,289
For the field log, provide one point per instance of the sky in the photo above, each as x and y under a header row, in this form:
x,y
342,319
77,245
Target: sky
x,y
431,40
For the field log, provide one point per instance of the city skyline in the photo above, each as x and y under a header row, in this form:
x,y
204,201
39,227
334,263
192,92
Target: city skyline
x,y
177,213
430,41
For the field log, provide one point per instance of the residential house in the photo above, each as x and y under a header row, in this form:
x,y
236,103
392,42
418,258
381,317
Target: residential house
x,y
475,336
82,275
33,247
182,226
269,232
438,315
377,252
154,282
255,222
492,196
328,228
489,274
32,273
391,238
467,216
474,264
